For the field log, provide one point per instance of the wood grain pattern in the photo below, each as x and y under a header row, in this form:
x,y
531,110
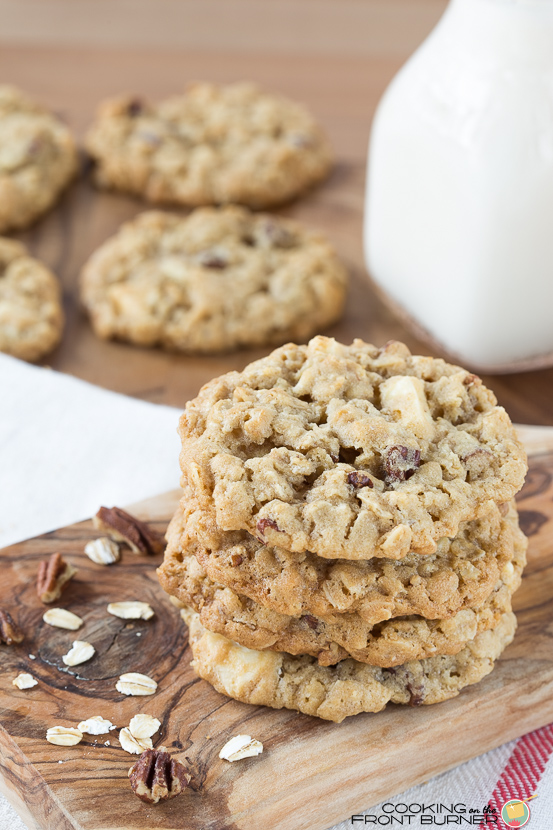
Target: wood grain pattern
x,y
311,774
341,89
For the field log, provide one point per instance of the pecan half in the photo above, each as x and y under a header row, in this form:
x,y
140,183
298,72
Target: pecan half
x,y
157,777
53,574
123,527
358,480
9,631
401,463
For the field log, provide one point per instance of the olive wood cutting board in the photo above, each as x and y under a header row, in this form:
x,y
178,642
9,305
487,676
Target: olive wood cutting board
x,y
311,774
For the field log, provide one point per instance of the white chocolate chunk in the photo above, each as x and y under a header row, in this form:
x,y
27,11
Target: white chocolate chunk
x,y
60,618
241,746
403,396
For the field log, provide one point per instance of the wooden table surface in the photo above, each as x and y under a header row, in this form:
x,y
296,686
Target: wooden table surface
x,y
341,85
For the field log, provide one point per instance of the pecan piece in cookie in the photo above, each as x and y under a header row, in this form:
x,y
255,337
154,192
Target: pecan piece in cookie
x,y
123,527
53,574
476,462
263,524
311,621
357,479
157,777
416,692
401,463
9,631
212,259
135,107
274,234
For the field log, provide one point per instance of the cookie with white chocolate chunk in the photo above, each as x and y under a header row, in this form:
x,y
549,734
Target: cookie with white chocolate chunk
x,y
216,280
38,158
460,574
31,314
280,680
212,145
349,452
334,637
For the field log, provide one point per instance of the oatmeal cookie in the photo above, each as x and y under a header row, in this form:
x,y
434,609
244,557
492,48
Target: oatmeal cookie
x,y
461,574
349,451
37,159
219,279
212,145
329,639
280,680
31,316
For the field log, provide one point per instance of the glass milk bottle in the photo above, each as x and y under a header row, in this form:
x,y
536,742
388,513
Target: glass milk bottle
x,y
459,207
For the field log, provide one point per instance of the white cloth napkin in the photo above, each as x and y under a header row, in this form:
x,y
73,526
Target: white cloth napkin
x,y
66,447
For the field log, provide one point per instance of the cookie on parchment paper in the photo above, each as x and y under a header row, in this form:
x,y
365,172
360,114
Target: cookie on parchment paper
x,y
31,315
216,280
280,680
212,145
349,452
38,158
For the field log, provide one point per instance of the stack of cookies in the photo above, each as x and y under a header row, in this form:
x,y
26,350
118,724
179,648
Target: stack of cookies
x,y
347,535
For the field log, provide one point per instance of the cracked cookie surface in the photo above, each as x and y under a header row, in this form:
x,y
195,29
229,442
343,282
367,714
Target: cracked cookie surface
x,y
212,145
218,279
31,316
349,452
461,574
37,159
329,639
281,680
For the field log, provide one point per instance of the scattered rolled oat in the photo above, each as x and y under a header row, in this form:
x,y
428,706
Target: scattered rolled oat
x,y
10,633
60,618
103,551
135,746
53,575
80,652
241,746
144,726
123,527
64,735
132,610
156,777
24,681
134,683
96,725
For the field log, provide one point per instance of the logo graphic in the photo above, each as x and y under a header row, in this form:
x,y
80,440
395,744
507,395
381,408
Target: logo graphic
x,y
515,813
